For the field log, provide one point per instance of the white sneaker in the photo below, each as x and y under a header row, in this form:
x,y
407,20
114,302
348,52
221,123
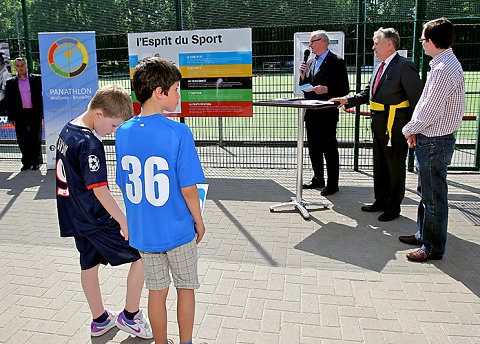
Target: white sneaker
x,y
97,329
139,326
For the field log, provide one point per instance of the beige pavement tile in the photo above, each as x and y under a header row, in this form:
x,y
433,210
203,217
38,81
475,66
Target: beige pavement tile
x,y
265,277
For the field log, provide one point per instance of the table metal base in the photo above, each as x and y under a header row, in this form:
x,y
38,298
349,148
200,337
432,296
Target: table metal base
x,y
301,206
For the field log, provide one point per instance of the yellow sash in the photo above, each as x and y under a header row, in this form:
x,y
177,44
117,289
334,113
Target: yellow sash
x,y
391,115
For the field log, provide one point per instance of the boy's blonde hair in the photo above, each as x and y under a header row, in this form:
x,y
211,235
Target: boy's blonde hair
x,y
114,102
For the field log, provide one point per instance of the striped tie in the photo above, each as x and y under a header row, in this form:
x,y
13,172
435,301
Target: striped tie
x,y
379,75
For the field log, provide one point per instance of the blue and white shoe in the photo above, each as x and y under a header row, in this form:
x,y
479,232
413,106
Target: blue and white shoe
x,y
139,326
97,329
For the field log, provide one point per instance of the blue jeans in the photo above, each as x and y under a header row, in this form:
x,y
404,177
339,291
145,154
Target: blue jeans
x,y
433,155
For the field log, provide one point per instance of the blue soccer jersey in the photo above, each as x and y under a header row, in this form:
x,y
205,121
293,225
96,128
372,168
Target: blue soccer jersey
x,y
156,157
80,167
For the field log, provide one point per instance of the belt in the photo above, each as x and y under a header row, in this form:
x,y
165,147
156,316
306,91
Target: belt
x,y
391,115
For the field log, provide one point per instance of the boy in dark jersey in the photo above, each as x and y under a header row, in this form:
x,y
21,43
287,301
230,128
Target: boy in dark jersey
x,y
158,169
88,212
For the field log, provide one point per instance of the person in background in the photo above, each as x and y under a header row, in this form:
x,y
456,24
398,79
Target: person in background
x,y
23,105
88,212
4,74
327,74
158,170
393,91
437,116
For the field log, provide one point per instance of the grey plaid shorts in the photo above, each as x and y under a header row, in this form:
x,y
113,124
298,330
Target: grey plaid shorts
x,y
181,261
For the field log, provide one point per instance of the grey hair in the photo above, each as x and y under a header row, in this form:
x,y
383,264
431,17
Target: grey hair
x,y
321,34
388,34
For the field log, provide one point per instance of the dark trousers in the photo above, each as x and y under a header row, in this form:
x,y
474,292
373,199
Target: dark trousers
x,y
321,127
389,167
434,154
28,127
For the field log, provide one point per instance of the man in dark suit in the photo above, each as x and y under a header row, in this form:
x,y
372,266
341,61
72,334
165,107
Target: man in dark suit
x,y
24,107
393,92
328,76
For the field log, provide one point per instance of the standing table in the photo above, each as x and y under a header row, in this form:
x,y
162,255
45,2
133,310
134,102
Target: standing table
x,y
301,105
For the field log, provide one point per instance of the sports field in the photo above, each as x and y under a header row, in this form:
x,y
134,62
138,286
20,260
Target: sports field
x,y
278,124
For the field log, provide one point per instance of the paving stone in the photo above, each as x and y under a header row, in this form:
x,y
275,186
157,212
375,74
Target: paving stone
x,y
265,277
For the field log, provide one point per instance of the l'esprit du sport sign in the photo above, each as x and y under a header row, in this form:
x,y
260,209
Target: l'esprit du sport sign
x,y
216,67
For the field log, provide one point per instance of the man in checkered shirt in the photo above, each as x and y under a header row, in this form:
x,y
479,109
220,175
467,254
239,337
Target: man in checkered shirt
x,y
436,117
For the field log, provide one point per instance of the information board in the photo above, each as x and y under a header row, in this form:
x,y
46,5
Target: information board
x,y
216,67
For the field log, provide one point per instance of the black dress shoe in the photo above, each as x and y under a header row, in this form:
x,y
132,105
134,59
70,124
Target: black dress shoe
x,y
314,184
35,167
409,239
24,168
372,208
386,216
329,191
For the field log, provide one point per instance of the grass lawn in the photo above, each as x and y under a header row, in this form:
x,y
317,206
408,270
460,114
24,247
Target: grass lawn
x,y
278,124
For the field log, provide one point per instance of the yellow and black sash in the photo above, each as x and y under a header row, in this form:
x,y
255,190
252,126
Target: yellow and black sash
x,y
391,115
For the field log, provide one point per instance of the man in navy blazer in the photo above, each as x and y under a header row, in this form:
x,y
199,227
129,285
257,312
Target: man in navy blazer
x,y
328,76
393,92
23,105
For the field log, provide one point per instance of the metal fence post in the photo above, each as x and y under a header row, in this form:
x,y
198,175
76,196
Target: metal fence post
x,y
180,28
27,35
477,145
417,58
360,47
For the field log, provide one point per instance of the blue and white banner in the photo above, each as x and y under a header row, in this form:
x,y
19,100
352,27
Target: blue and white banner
x,y
68,61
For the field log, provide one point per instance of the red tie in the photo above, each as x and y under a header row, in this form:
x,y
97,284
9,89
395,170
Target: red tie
x,y
379,75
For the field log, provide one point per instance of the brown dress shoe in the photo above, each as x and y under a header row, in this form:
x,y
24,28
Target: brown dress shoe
x,y
409,239
422,256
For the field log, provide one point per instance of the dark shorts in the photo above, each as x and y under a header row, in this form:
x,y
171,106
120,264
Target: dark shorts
x,y
105,246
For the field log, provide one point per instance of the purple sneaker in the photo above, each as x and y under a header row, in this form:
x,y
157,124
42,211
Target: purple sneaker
x,y
97,329
139,326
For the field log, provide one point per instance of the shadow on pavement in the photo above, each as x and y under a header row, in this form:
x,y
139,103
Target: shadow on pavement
x,y
371,244
255,190
19,183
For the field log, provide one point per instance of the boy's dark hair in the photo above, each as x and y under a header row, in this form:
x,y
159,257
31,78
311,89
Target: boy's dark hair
x,y
440,32
153,72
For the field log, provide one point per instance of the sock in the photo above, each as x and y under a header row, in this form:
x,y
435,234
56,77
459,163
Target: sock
x,y
189,342
129,315
101,318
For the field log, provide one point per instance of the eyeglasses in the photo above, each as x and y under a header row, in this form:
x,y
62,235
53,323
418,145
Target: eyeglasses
x,y
314,40
422,39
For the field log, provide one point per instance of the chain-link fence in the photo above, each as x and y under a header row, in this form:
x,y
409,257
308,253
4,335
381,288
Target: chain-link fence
x,y
268,139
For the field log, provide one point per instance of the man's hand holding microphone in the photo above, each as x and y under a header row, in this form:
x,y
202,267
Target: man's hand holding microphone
x,y
319,89
303,65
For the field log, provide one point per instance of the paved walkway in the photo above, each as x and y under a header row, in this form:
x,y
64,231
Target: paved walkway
x,y
265,277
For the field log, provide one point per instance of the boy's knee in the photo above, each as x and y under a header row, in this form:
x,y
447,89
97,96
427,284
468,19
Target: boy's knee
x,y
162,293
185,291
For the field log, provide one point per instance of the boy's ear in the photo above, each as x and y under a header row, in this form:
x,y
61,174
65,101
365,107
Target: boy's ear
x,y
158,92
98,113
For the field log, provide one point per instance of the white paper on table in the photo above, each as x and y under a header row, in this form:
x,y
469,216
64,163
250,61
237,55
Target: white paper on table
x,y
315,102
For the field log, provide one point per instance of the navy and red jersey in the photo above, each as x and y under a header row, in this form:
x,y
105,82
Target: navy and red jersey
x,y
80,167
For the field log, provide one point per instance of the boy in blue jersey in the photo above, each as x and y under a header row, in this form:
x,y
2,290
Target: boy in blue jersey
x,y
88,212
158,169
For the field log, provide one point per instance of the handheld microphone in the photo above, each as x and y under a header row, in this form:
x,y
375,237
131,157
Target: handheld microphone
x,y
306,54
